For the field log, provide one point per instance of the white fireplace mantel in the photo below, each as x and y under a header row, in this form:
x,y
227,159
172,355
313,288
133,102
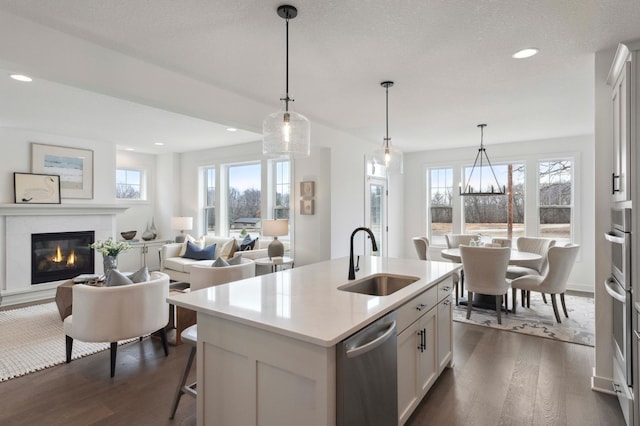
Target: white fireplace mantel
x,y
60,209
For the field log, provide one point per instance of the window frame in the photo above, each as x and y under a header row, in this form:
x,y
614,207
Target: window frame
x,y
143,184
572,205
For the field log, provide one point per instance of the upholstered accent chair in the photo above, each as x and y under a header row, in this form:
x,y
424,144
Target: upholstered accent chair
x,y
501,242
112,314
422,247
560,263
485,271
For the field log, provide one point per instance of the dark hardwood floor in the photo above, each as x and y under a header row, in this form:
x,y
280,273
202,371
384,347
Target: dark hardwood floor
x,y
498,378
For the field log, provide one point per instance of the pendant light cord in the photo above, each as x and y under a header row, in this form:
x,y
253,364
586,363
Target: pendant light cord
x,y
386,140
286,99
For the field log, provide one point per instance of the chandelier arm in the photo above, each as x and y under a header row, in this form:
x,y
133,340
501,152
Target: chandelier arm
x,y
473,169
492,172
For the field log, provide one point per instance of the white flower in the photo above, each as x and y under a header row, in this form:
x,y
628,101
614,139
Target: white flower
x,y
110,247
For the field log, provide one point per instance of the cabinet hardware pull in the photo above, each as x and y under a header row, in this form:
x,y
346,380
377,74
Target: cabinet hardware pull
x,y
446,302
613,183
424,339
447,288
616,388
421,306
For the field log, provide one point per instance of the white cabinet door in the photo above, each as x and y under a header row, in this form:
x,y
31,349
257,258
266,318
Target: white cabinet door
x,y
621,106
445,348
417,368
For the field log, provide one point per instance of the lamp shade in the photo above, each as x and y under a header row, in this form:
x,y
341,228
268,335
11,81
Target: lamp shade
x,y
275,227
286,134
182,223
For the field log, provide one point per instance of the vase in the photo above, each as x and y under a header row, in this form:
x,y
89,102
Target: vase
x,y
153,228
109,263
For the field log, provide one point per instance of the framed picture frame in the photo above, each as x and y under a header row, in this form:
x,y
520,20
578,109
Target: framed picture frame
x,y
32,188
307,189
307,207
74,166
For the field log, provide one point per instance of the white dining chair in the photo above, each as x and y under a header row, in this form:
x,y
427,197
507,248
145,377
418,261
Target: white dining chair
x,y
531,267
501,242
421,245
560,261
454,241
485,271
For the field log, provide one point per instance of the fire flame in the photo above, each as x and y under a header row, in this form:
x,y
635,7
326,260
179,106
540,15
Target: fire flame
x,y
71,260
58,256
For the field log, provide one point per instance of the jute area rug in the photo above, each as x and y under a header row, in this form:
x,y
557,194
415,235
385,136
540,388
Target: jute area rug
x,y
32,339
539,320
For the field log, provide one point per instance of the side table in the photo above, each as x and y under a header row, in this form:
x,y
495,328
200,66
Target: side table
x,y
275,262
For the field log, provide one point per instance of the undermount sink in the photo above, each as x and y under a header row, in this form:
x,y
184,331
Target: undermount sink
x,y
379,284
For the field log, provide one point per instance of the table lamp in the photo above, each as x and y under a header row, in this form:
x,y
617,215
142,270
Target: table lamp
x,y
182,224
275,228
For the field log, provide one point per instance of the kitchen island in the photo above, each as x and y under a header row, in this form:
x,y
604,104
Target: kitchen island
x,y
266,345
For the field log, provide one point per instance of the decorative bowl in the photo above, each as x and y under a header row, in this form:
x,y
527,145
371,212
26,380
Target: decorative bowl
x,y
128,234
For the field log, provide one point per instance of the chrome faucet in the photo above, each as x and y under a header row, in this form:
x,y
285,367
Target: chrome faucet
x,y
374,247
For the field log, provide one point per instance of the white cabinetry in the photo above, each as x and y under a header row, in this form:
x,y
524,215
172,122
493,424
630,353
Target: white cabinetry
x,y
141,253
621,78
424,344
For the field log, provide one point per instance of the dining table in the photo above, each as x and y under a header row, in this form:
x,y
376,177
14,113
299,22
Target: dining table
x,y
516,258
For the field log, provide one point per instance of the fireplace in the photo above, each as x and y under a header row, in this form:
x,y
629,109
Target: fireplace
x,y
61,255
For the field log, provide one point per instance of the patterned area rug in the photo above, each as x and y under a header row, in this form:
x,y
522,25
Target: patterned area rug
x,y
33,339
539,320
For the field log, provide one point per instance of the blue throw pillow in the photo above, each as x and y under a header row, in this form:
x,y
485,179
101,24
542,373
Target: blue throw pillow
x,y
196,253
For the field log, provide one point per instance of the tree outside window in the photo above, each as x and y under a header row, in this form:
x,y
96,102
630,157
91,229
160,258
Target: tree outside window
x,y
441,204
210,199
555,183
498,216
243,199
282,189
130,184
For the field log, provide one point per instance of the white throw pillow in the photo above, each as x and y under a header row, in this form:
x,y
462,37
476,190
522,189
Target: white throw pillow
x,y
198,242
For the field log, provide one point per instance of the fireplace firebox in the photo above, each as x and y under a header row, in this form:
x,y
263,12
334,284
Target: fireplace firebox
x,y
61,255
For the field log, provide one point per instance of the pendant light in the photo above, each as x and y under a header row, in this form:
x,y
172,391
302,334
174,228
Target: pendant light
x,y
286,134
388,156
491,189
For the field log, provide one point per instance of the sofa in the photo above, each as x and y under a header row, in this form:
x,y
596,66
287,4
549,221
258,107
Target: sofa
x,y
179,268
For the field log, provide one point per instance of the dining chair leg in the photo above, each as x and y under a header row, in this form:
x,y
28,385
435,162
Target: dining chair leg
x,y
499,308
528,298
514,303
555,307
523,296
544,298
564,307
457,285
469,299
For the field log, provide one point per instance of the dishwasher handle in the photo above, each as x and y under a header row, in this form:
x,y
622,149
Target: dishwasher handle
x,y
369,346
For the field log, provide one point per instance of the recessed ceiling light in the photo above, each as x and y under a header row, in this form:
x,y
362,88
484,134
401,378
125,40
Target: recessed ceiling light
x,y
158,143
525,53
20,77
231,129
129,149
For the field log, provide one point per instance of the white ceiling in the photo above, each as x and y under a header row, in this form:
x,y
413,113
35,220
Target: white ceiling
x,y
450,60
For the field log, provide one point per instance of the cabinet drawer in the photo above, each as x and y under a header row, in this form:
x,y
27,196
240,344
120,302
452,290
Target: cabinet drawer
x,y
416,307
445,287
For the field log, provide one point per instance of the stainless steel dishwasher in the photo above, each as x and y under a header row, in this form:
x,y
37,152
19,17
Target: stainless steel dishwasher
x,y
367,376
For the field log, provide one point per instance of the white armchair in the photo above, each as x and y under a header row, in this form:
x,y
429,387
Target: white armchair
x,y
209,276
112,314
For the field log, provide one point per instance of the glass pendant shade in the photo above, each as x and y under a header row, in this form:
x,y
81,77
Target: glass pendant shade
x,y
286,134
389,157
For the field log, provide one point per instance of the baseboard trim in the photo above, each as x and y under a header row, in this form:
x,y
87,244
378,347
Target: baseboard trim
x,y
17,298
602,384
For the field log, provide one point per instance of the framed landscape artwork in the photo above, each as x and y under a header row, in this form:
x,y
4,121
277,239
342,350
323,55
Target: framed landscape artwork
x,y
74,166
32,188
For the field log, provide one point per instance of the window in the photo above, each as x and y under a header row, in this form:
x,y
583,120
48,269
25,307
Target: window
x,y
243,198
282,189
441,205
210,199
496,215
130,184
555,200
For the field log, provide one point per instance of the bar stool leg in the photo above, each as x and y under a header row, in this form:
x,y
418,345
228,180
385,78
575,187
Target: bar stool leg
x,y
180,391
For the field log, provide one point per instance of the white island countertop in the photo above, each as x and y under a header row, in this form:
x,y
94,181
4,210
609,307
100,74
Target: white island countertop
x,y
304,303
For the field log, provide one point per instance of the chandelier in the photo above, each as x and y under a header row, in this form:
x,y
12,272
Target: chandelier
x,y
493,188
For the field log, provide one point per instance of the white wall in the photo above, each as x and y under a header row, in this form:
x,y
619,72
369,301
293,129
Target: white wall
x,y
140,213
578,147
